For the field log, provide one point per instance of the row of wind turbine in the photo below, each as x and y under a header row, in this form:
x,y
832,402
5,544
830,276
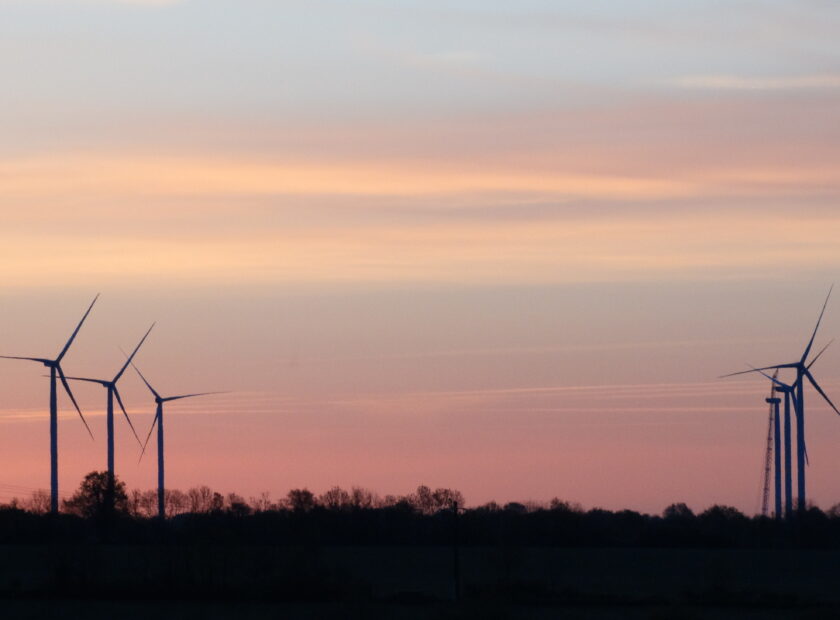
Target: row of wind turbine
x,y
57,373
795,393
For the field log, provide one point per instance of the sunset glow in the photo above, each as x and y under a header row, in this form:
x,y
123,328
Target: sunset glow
x,y
503,247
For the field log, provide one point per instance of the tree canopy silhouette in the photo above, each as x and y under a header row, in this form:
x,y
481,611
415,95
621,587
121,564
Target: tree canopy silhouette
x,y
424,517
93,498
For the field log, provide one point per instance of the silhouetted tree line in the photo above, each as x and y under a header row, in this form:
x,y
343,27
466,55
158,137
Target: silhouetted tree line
x,y
361,517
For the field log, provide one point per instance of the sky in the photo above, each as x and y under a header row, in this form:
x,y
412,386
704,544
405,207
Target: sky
x,y
502,247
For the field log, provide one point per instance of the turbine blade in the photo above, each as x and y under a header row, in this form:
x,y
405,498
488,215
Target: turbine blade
x,y
73,398
148,385
773,378
746,372
133,353
30,359
819,320
166,400
76,331
99,381
149,436
820,390
125,413
814,361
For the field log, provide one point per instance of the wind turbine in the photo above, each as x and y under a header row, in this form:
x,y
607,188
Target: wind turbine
x,y
790,394
160,400
111,386
57,373
803,371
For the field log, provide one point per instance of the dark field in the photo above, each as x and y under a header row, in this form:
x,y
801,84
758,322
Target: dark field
x,y
104,581
196,610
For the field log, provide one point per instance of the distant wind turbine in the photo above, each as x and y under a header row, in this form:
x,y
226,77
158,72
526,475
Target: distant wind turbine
x,y
797,388
790,394
111,386
772,452
160,400
55,373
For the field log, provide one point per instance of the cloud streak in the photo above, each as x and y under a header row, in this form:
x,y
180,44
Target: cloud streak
x,y
628,248
755,83
164,176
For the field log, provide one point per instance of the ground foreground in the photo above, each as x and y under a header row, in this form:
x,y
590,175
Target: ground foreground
x,y
196,610
221,581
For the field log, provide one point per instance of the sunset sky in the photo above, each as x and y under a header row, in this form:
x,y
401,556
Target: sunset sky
x,y
506,247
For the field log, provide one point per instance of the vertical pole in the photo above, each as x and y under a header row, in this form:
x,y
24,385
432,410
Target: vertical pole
x,y
800,443
161,502
110,423
53,443
456,556
788,473
777,449
110,491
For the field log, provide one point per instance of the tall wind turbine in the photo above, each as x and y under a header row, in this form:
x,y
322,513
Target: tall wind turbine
x,y
56,373
111,387
790,395
160,400
803,371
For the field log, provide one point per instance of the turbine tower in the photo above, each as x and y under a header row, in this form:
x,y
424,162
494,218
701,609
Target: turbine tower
x,y
111,387
160,400
772,456
56,373
797,393
790,395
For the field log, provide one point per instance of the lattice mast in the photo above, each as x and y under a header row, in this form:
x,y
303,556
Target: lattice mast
x,y
768,455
